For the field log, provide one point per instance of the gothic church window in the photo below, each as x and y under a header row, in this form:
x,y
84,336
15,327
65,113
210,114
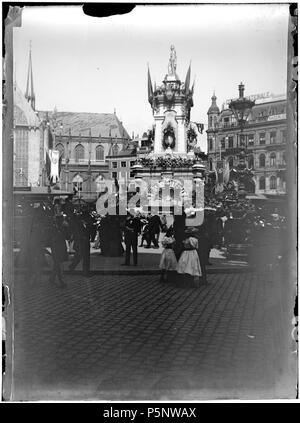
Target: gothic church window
x,y
115,150
99,153
79,153
21,157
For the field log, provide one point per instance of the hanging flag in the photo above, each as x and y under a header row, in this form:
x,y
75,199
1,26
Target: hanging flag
x,y
226,172
50,139
52,166
200,127
117,185
59,164
48,165
219,169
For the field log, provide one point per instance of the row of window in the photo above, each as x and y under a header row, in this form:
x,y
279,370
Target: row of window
x,y
114,175
78,181
250,160
262,182
249,140
123,164
231,121
80,151
273,160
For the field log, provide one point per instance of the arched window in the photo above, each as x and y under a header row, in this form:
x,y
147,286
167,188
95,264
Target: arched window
x,y
273,159
210,164
251,161
283,159
262,160
115,149
273,183
230,161
100,183
77,183
210,121
61,150
99,152
262,182
79,153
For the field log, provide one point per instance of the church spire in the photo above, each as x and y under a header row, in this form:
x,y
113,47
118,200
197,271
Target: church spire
x,y
29,95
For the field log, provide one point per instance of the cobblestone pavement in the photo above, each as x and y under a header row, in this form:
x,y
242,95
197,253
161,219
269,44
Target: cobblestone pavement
x,y
135,338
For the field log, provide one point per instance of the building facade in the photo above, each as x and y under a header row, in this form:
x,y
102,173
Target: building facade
x,y
264,137
28,143
84,141
120,165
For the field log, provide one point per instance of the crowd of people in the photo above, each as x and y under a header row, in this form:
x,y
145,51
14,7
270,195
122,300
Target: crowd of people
x,y
66,232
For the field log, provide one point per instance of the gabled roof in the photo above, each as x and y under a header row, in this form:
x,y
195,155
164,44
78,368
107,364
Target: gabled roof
x,y
127,152
86,124
23,112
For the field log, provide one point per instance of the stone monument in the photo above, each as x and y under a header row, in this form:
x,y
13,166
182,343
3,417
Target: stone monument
x,y
172,162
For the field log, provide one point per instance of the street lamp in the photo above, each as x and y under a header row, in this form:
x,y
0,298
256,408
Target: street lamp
x,y
241,108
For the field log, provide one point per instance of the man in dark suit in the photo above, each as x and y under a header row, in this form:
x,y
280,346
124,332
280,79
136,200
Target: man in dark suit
x,y
132,230
81,239
154,227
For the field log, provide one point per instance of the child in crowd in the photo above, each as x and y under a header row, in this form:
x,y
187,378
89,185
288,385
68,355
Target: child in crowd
x,y
189,263
168,262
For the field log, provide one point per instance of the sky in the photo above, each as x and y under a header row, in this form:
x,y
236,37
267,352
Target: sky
x,y
89,64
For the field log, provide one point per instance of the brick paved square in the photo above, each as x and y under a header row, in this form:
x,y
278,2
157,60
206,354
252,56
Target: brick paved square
x,y
130,335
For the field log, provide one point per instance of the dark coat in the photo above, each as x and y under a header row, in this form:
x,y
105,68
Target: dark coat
x,y
132,227
58,245
154,224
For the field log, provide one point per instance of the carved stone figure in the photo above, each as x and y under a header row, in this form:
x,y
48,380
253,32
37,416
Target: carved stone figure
x,y
172,61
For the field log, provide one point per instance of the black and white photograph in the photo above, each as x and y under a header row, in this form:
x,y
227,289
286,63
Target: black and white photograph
x,y
149,202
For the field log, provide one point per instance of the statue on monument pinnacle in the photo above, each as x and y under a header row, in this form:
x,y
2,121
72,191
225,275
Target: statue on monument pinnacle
x,y
172,61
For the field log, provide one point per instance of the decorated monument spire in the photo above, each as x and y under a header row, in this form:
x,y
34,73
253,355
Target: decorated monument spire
x,y
29,94
187,80
171,103
150,88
